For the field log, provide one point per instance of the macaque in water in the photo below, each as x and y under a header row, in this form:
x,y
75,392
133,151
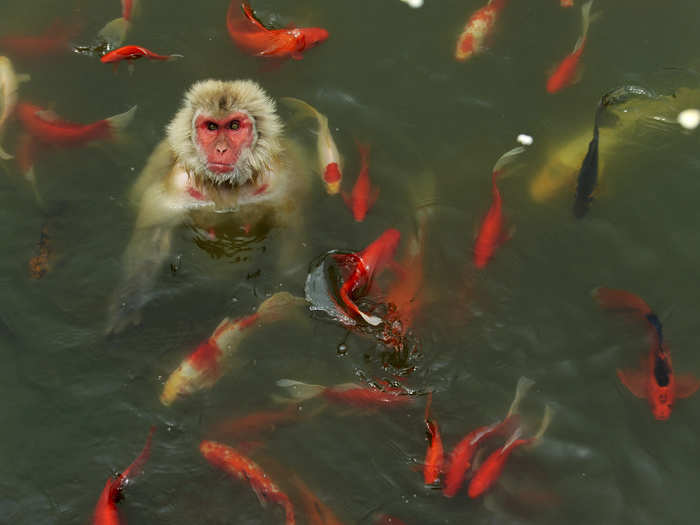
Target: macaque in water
x,y
223,161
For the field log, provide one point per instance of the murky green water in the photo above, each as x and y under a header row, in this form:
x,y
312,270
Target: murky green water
x,y
77,406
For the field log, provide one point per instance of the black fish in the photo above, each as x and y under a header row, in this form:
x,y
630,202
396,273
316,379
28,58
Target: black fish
x,y
588,174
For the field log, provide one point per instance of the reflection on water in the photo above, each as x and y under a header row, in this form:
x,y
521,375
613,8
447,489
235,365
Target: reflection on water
x,y
78,404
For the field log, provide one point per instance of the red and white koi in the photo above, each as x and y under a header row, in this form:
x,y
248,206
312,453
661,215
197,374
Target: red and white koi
x,y
242,467
479,26
567,71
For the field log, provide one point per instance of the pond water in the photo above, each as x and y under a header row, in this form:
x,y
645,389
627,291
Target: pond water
x,y
77,405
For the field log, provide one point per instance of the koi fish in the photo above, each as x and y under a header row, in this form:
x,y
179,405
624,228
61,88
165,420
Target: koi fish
x,y
53,41
254,38
363,195
106,509
435,455
258,422
39,264
565,73
48,127
203,367
461,456
316,512
656,381
491,234
479,26
347,393
588,174
490,470
133,53
329,159
114,32
236,464
368,262
9,81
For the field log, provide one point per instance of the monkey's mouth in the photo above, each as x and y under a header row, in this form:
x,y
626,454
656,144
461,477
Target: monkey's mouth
x,y
220,167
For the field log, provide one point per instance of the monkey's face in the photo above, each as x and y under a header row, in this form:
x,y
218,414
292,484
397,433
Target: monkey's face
x,y
224,144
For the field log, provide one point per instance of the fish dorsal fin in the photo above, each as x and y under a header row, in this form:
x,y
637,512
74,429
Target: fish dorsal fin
x,y
635,381
48,115
686,385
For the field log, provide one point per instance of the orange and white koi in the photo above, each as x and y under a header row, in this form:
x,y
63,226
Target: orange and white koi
x,y
329,159
348,393
435,455
491,234
461,456
479,26
369,262
565,73
363,195
242,467
114,32
656,380
490,470
203,367
105,512
9,82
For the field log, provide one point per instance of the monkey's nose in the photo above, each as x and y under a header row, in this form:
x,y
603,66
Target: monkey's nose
x,y
221,149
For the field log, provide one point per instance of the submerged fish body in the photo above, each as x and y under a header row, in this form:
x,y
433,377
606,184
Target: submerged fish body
x,y
479,26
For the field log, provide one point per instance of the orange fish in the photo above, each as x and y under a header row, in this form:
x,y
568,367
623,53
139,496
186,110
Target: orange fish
x,y
363,195
367,263
254,38
656,380
491,234
566,72
133,53
258,422
435,455
348,393
244,468
478,28
490,470
461,456
106,509
53,41
39,264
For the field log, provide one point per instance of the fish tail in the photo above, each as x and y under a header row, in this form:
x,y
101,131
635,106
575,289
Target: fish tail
x,y
506,158
4,155
117,123
585,23
364,150
303,106
172,57
612,299
524,384
546,420
300,391
279,305
136,466
114,32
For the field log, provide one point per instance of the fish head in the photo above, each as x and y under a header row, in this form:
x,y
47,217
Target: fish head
x,y
312,36
661,403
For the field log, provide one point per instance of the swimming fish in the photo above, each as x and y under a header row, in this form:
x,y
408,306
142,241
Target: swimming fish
x,y
330,162
363,195
133,53
9,81
435,455
461,456
53,41
203,367
105,512
348,393
656,380
114,32
258,422
491,234
48,127
479,26
242,467
565,73
254,38
490,470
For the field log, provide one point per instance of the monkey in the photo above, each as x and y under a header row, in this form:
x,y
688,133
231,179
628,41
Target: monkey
x,y
224,159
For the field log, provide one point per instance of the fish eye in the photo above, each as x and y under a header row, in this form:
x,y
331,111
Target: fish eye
x,y
234,124
212,126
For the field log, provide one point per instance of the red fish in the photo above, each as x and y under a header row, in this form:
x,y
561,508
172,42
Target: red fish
x,y
49,128
461,456
656,380
368,262
363,195
478,28
566,72
491,234
254,38
133,53
348,393
55,40
106,509
490,470
232,462
435,455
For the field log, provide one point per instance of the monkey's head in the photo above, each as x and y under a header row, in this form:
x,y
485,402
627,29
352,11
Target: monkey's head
x,y
226,132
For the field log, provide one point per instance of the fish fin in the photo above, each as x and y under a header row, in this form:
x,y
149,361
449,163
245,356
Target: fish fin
x,y
373,196
118,122
250,15
4,155
634,380
260,494
578,74
47,115
131,69
347,199
297,56
300,391
546,420
507,235
23,77
174,56
114,32
686,385
522,388
613,299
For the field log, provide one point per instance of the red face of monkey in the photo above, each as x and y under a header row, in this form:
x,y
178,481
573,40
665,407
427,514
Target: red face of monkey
x,y
224,142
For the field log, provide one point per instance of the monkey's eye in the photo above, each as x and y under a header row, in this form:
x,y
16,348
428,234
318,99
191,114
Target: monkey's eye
x,y
212,126
234,124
